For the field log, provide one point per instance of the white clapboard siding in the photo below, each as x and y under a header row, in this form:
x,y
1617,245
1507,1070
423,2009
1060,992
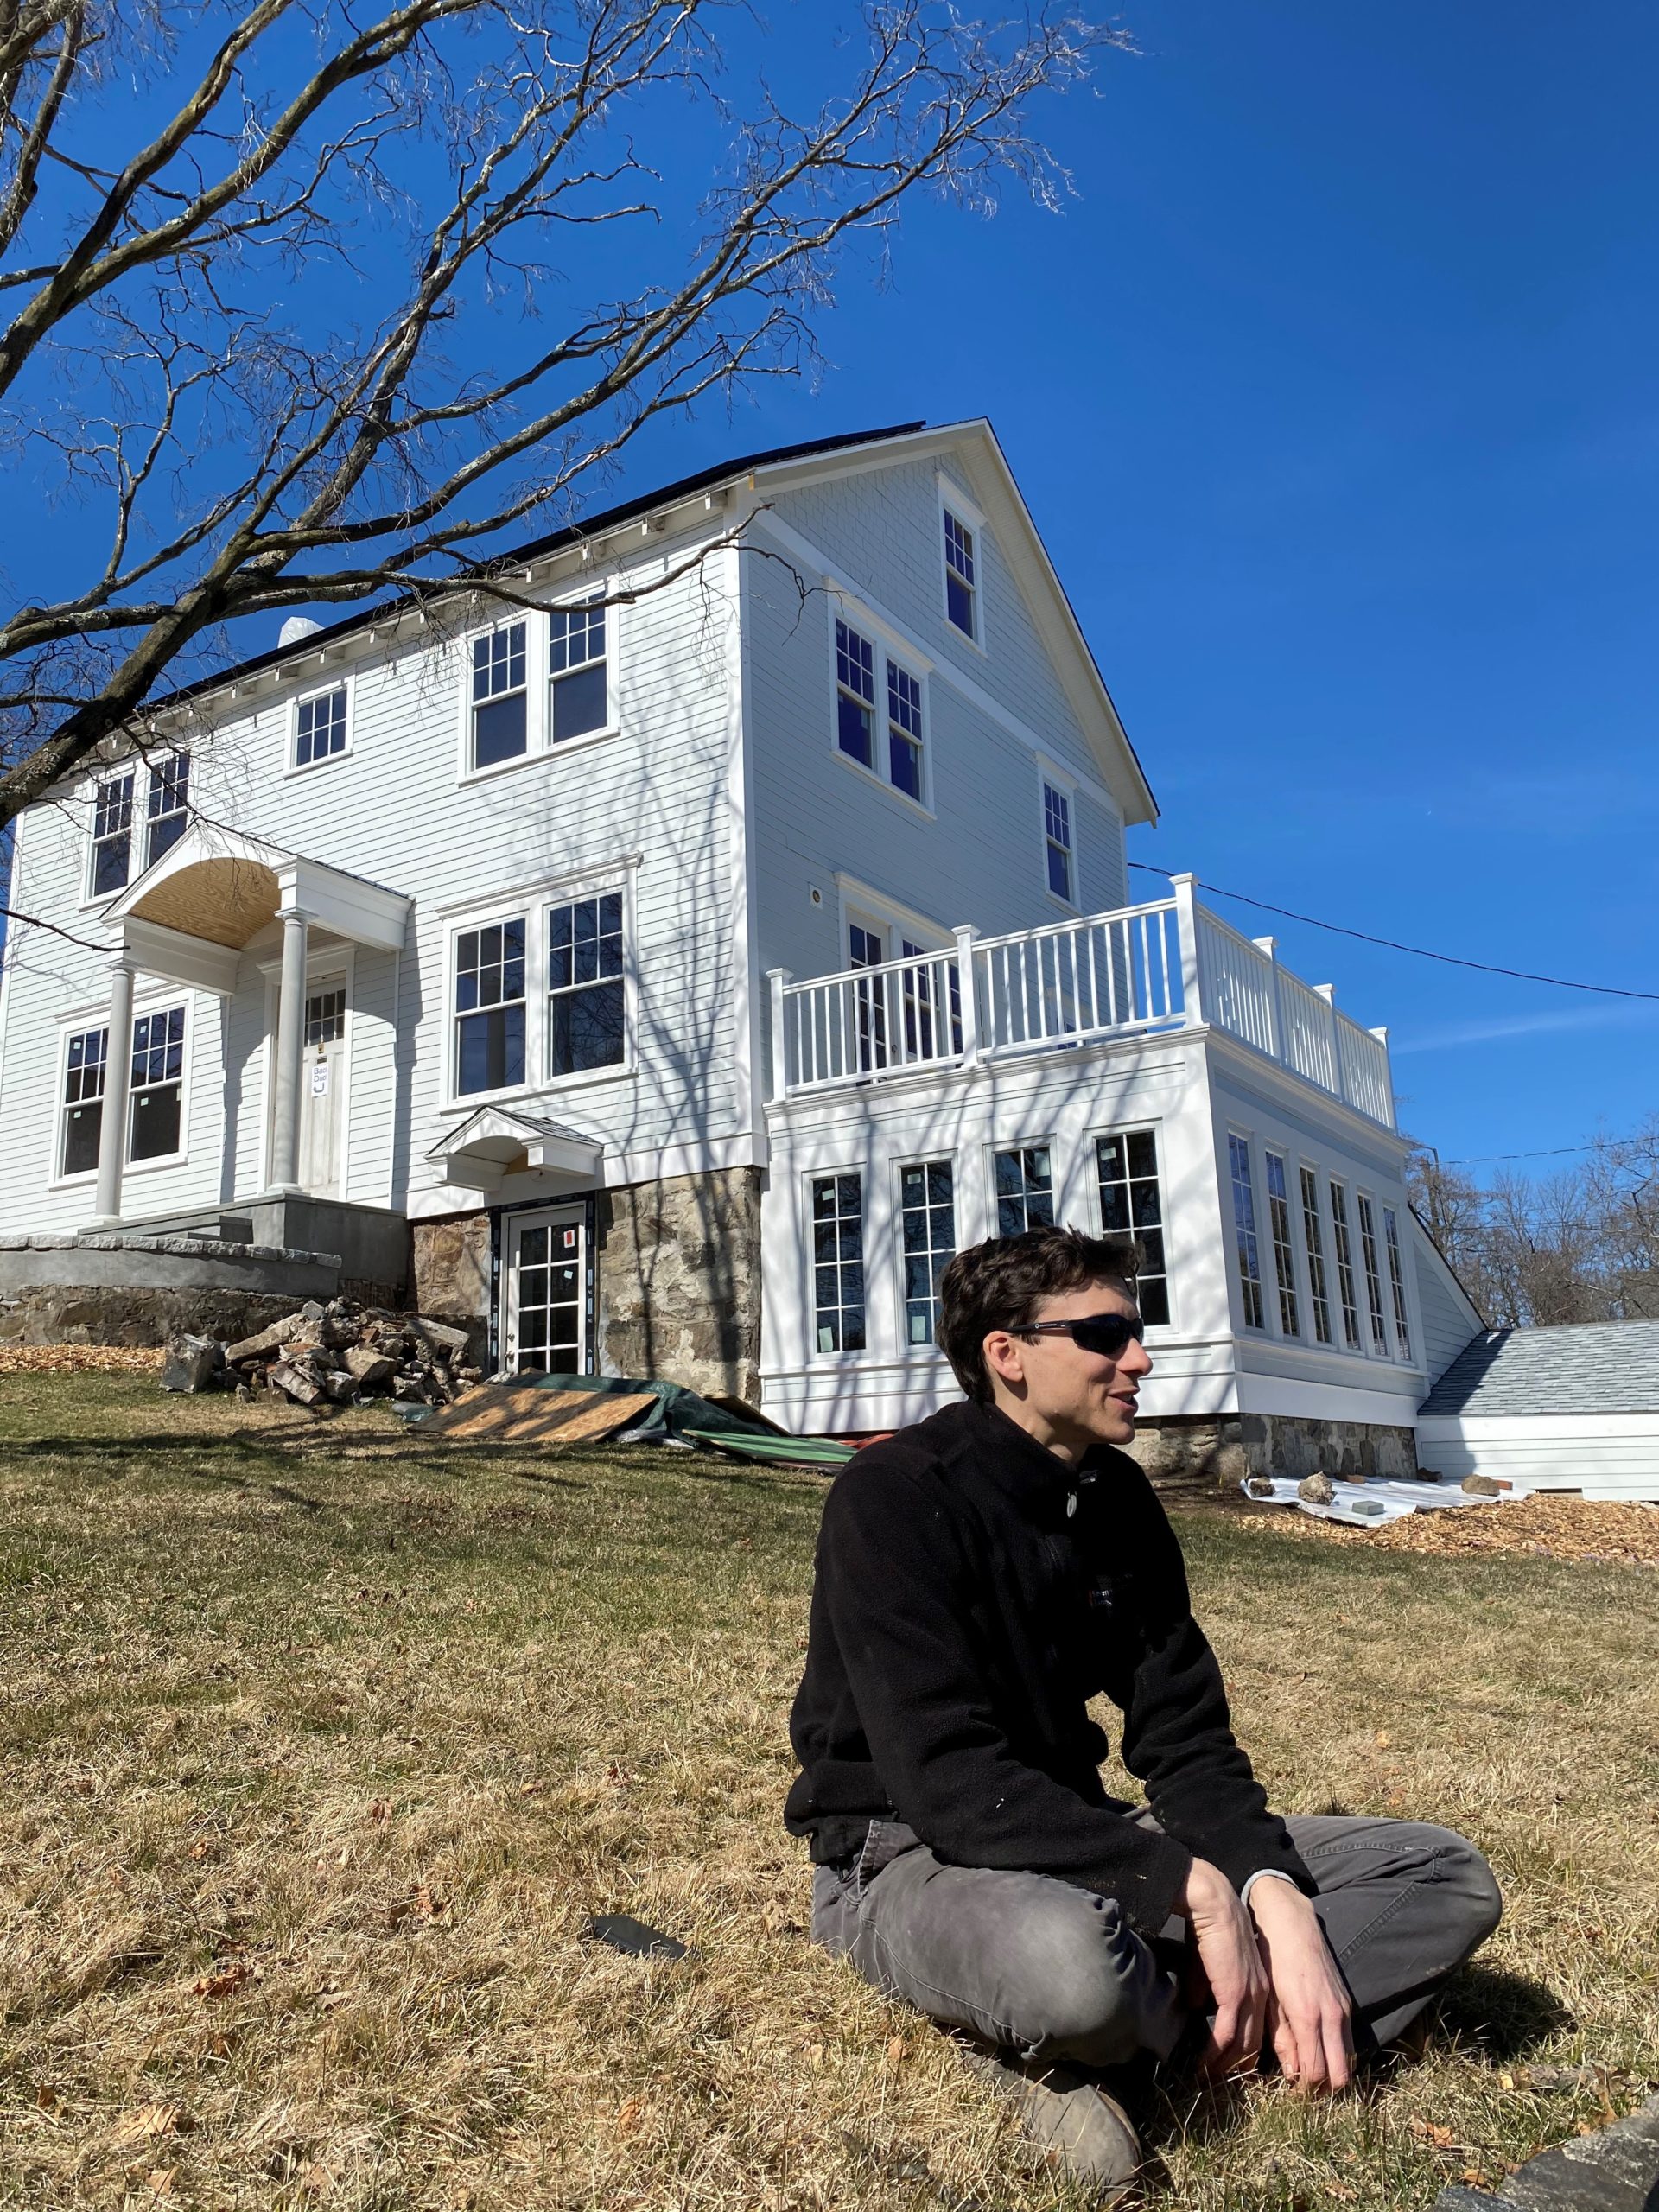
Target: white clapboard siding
x,y
1449,1319
1603,1455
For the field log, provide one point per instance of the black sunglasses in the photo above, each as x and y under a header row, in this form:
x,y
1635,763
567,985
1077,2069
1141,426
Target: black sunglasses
x,y
1108,1334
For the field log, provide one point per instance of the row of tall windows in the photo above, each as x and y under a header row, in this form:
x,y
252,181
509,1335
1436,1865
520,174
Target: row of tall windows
x,y
1368,1262
582,961
1022,1177
156,1108
127,839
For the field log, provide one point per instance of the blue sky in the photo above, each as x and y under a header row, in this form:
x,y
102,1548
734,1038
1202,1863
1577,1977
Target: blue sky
x,y
1332,394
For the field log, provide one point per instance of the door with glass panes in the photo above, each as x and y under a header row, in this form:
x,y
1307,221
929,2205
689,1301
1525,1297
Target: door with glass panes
x,y
544,1292
322,1078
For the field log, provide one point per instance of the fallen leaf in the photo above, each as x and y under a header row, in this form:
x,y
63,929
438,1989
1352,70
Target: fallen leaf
x,y
617,1776
223,1984
380,1810
160,2180
1383,1737
630,2115
427,1903
149,2122
896,2051
199,1851
1426,2130
46,2098
531,1789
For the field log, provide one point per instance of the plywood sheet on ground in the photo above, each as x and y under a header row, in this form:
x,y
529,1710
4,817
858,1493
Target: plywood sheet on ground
x,y
491,1414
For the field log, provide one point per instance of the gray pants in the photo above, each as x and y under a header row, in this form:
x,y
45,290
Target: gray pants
x,y
1038,1966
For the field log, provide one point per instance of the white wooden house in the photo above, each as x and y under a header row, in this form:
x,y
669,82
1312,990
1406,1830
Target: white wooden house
x,y
667,968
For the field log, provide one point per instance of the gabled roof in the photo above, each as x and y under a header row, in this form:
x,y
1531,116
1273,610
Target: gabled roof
x,y
1598,1367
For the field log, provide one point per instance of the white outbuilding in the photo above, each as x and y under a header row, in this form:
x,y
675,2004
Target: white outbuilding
x,y
1566,1409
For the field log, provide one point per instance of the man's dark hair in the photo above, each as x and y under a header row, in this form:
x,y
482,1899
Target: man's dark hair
x,y
1000,1283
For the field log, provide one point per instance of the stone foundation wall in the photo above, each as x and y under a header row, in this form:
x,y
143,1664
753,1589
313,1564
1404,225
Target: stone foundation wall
x,y
677,1277
679,1281
1221,1449
109,1313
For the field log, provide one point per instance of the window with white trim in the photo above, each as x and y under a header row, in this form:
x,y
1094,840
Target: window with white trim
x,y
1131,1204
578,670
85,1068
1057,828
904,731
325,1017
155,1126
169,805
320,727
855,693
1314,1236
1345,1249
927,1214
587,1016
1372,1275
112,834
1248,1253
1024,1182
500,703
489,1043
1397,1279
1284,1251
838,1261
961,587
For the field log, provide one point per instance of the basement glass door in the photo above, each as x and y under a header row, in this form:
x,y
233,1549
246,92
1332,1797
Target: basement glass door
x,y
545,1278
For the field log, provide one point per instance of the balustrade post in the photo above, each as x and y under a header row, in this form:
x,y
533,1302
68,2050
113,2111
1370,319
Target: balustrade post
x,y
1328,992
1381,1037
967,991
1186,919
778,977
1270,947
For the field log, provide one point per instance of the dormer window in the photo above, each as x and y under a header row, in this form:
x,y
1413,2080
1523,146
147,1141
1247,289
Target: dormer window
x,y
961,590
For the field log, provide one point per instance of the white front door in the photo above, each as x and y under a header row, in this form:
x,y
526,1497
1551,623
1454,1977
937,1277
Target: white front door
x,y
323,1084
544,1325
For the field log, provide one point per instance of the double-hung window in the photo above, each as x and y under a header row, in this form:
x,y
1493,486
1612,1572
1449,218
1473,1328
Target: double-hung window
x,y
1373,1276
838,1261
578,671
961,587
169,805
904,730
500,701
1344,1250
927,1213
1318,1296
83,1101
1057,828
1397,1279
1249,1256
320,727
112,834
489,1043
1284,1250
586,1017
866,673
854,695
1024,1180
157,1126
1131,1204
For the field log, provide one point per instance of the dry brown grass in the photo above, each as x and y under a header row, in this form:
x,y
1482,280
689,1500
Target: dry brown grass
x,y
321,1748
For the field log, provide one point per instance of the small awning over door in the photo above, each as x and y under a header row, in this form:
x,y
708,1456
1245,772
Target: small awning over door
x,y
497,1141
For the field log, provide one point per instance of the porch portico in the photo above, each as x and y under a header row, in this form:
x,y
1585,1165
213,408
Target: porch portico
x,y
188,919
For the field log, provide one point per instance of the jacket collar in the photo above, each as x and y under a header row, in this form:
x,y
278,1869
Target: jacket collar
x,y
1018,1464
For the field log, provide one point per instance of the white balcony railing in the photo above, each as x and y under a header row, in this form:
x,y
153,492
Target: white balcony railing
x,y
1170,964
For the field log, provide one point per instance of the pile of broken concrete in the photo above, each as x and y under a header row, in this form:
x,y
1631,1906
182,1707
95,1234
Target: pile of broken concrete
x,y
334,1355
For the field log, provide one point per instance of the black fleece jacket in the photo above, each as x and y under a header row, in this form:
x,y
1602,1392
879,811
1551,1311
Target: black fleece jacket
x,y
972,1593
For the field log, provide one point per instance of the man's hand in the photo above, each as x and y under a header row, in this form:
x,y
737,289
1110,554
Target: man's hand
x,y
1227,1957
1309,2011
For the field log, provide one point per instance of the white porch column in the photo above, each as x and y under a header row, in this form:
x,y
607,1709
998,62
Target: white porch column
x,y
117,1087
288,1067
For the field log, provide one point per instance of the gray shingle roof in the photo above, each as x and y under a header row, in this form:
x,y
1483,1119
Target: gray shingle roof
x,y
1600,1366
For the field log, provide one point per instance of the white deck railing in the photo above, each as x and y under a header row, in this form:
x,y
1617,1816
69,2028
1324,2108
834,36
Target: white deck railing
x,y
1170,964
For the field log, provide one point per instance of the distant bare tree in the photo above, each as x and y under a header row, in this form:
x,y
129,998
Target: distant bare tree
x,y
242,241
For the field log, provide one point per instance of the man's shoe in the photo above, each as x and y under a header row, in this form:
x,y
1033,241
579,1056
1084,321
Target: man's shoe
x,y
1068,2111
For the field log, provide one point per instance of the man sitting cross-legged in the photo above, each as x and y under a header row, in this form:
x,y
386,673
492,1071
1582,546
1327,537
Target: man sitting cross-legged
x,y
980,1576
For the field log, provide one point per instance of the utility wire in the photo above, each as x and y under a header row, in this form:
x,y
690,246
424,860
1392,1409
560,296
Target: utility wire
x,y
1420,951
1487,1159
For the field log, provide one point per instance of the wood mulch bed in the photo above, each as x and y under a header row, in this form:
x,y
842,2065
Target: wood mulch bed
x,y
1552,1524
81,1359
